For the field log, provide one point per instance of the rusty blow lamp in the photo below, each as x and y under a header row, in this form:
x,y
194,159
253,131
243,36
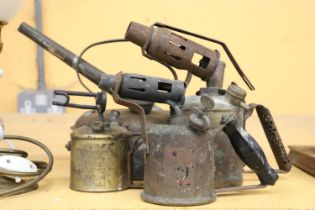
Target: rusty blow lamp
x,y
228,107
227,174
127,86
99,152
179,162
160,43
100,157
172,177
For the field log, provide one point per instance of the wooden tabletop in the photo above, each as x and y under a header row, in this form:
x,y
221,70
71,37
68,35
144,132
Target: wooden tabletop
x,y
295,190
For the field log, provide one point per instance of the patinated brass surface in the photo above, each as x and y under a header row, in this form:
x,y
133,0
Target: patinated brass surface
x,y
99,161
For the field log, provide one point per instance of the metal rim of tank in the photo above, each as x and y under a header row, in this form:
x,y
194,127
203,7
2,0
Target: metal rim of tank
x,y
89,190
178,202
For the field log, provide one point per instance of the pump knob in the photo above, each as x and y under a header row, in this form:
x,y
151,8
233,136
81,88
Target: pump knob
x,y
199,121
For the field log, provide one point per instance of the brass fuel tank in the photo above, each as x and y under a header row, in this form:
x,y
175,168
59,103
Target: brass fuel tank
x,y
99,157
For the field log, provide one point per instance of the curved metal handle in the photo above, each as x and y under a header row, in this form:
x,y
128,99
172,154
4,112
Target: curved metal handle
x,y
274,138
133,106
249,151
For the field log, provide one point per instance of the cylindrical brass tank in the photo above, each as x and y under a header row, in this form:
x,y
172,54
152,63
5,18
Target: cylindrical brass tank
x,y
99,159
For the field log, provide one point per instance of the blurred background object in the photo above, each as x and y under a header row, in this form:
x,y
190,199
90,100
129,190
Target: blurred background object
x,y
303,157
40,99
8,9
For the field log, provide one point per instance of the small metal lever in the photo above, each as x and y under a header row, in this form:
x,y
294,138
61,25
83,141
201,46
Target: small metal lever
x,y
100,103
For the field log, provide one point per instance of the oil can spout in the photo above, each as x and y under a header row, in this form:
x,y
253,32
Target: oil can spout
x,y
86,69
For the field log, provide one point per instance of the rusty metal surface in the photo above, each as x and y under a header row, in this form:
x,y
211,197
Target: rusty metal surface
x,y
131,120
145,88
131,105
303,157
229,167
216,80
100,101
99,160
179,169
159,43
221,43
133,86
166,47
228,108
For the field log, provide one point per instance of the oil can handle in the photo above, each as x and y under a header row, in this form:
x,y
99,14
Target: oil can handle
x,y
273,138
249,151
